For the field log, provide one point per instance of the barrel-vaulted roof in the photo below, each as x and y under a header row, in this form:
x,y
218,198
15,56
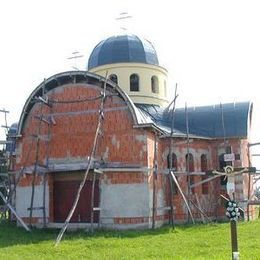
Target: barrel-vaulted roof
x,y
216,121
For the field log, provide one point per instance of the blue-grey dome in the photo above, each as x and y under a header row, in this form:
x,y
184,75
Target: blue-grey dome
x,y
123,48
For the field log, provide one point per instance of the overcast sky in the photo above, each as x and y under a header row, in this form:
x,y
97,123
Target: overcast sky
x,y
211,48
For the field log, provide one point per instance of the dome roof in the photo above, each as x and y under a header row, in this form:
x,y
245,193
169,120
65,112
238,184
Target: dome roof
x,y
123,48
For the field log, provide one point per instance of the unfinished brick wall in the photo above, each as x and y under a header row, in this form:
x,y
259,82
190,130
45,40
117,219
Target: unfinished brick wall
x,y
75,124
71,137
70,140
210,202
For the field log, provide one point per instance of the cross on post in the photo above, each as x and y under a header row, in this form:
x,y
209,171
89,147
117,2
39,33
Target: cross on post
x,y
232,207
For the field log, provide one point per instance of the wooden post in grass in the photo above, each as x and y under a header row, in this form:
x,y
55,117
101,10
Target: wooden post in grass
x,y
233,214
234,244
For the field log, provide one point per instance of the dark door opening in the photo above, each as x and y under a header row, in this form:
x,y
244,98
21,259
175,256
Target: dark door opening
x,y
64,194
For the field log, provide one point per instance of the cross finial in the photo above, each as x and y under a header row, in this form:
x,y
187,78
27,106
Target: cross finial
x,y
75,55
123,17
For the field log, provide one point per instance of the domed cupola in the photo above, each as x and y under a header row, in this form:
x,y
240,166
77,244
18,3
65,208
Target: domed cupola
x,y
123,48
132,63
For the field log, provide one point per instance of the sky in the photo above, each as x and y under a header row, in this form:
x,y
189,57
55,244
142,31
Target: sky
x,y
211,48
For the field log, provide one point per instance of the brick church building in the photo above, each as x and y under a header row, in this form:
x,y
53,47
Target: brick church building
x,y
128,184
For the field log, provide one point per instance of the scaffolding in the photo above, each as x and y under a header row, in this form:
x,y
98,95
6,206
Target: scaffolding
x,y
7,175
5,161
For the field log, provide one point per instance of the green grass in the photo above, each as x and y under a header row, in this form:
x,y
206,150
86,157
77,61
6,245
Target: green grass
x,y
185,242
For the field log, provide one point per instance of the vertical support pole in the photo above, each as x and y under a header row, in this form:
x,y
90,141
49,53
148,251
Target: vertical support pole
x,y
170,159
171,204
188,155
154,180
92,202
248,196
34,179
249,184
44,200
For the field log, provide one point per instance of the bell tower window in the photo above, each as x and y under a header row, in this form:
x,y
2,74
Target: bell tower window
x,y
134,82
155,84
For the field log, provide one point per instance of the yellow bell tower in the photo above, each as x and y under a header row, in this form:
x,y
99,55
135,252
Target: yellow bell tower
x,y
132,63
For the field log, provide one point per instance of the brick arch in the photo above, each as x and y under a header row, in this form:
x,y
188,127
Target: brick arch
x,y
72,77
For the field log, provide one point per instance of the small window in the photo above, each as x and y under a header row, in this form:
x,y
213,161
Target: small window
x,y
204,168
237,157
165,88
203,163
113,77
174,162
174,168
155,84
189,163
134,82
222,164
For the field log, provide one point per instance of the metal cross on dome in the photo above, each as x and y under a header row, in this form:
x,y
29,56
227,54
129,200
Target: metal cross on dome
x,y
123,17
75,55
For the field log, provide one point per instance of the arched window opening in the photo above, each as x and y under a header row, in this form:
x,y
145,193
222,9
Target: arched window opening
x,y
165,88
190,168
204,168
134,82
203,163
155,84
222,164
113,77
189,163
174,168
174,162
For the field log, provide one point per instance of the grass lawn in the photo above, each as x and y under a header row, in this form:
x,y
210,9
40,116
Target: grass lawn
x,y
185,242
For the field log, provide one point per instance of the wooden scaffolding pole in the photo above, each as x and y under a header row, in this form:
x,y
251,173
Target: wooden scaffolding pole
x,y
92,202
183,196
188,157
90,159
170,158
35,166
154,180
14,212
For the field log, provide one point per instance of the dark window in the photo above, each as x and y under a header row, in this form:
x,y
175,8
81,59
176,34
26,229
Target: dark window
x,y
228,149
190,168
174,168
203,163
189,163
222,164
204,168
155,84
237,157
134,82
174,162
113,77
